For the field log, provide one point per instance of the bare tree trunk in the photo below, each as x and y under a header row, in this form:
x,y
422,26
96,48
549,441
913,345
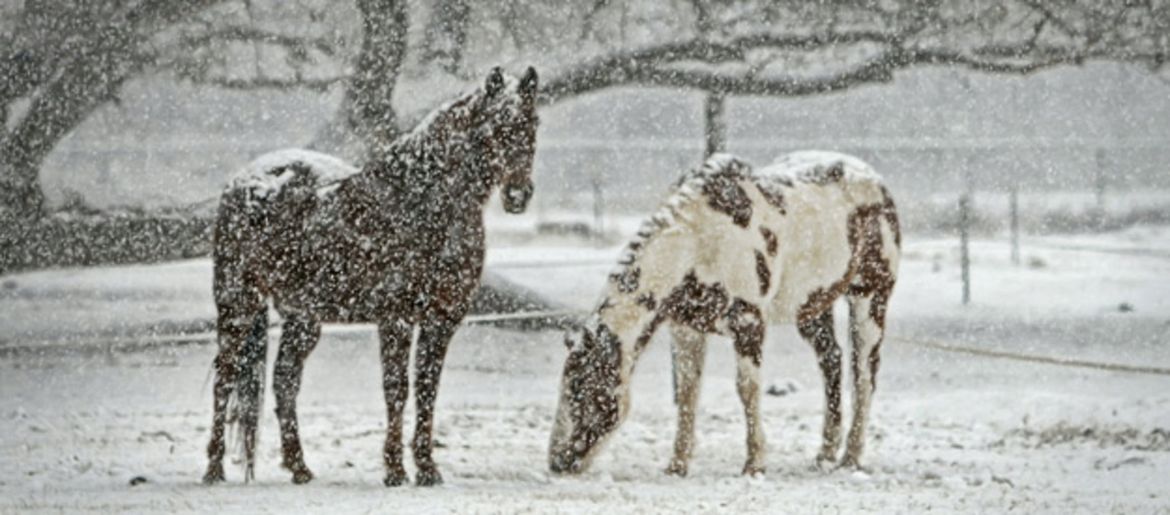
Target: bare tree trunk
x,y
446,35
84,85
367,114
714,125
370,97
68,85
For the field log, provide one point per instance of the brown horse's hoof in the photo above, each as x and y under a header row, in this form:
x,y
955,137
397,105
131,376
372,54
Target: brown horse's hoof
x,y
395,477
428,477
676,468
302,476
214,475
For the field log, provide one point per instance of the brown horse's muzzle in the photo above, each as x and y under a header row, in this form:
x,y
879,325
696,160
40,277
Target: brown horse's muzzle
x,y
516,197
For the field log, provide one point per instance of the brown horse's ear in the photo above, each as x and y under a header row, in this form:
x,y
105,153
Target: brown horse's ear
x,y
528,82
495,82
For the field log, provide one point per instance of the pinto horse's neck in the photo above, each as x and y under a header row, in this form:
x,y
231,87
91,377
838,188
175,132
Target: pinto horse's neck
x,y
649,271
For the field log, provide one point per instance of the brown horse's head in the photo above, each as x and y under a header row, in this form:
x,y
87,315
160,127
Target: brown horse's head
x,y
508,135
592,401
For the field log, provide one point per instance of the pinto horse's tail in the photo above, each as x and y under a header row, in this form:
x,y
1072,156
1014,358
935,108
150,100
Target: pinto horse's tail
x,y
247,399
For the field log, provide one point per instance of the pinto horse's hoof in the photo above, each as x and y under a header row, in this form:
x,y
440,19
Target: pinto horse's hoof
x,y
676,468
824,462
214,475
751,470
428,477
850,462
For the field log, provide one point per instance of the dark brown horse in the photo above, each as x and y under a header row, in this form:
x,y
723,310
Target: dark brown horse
x,y
399,243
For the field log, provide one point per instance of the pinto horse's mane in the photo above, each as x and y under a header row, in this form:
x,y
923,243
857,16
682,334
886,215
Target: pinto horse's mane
x,y
684,192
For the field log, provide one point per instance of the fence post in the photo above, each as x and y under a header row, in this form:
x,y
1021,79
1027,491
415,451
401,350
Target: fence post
x,y
1014,213
964,242
715,128
1099,183
598,211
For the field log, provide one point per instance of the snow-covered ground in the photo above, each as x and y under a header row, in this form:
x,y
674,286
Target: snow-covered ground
x,y
87,403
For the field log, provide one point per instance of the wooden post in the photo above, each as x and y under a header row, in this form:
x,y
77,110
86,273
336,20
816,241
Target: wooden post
x,y
715,128
1099,183
1014,213
964,244
598,211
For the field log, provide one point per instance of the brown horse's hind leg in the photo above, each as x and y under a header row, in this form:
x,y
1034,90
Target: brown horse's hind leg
x,y
298,338
434,335
233,323
395,338
819,333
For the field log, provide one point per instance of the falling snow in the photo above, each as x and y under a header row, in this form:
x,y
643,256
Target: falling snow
x,y
432,190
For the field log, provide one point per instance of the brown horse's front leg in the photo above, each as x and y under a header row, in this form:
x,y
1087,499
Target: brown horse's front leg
x,y
298,338
395,338
433,338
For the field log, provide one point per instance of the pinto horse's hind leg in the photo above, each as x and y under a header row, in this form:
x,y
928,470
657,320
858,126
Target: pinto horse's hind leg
x,y
434,335
819,333
689,348
866,333
234,321
298,338
395,336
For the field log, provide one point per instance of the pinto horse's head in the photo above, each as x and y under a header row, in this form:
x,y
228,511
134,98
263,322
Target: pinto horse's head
x,y
508,135
592,399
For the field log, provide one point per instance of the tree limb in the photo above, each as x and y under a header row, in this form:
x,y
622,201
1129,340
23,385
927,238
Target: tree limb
x,y
271,83
257,35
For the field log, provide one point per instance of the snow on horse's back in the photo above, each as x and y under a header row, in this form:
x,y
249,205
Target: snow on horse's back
x,y
398,243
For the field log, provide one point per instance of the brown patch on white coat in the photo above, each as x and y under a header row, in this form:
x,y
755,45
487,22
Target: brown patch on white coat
x,y
698,258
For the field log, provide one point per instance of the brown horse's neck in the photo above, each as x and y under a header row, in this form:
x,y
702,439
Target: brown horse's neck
x,y
421,163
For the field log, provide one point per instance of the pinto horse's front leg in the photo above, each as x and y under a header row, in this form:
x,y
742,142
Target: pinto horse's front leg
x,y
747,331
434,335
395,338
689,352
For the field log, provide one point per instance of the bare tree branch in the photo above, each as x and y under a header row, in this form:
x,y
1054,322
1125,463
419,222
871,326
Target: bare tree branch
x,y
271,83
257,35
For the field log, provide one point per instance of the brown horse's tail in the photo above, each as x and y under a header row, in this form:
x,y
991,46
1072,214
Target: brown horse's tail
x,y
248,395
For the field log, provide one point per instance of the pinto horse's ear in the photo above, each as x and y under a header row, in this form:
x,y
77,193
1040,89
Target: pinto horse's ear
x,y
495,82
528,82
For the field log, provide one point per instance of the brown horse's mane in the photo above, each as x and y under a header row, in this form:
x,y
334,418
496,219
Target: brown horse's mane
x,y
398,242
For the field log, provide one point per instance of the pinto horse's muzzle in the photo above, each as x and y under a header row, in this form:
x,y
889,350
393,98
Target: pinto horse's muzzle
x,y
516,197
564,463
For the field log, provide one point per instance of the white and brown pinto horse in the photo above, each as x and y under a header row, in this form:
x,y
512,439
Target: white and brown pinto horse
x,y
731,251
